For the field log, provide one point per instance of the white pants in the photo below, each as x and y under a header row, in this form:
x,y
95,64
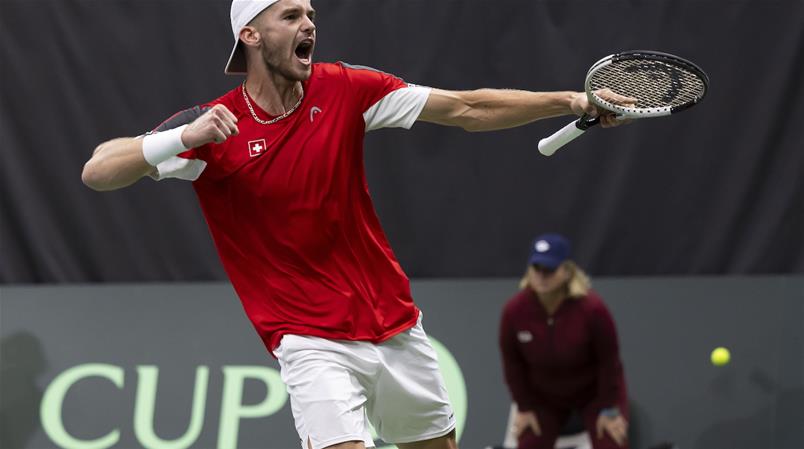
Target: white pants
x,y
336,387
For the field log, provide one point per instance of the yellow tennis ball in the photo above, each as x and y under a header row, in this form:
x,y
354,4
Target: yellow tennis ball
x,y
720,356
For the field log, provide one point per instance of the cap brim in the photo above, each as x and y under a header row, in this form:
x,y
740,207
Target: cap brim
x,y
237,60
544,260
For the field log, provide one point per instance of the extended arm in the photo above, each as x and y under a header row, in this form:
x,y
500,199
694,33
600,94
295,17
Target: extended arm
x,y
493,109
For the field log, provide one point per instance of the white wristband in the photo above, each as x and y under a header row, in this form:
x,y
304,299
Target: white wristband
x,y
161,146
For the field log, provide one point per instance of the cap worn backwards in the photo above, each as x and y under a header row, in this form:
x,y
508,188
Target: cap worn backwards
x,y
242,12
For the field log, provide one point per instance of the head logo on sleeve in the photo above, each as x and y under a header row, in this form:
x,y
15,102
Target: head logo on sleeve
x,y
256,147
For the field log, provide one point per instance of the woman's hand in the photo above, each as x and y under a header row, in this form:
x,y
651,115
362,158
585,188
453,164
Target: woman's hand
x,y
523,420
616,427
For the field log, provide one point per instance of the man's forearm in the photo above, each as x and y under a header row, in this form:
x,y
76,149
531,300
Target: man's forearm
x,y
116,164
492,109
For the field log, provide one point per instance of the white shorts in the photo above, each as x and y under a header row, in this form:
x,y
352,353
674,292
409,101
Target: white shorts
x,y
336,387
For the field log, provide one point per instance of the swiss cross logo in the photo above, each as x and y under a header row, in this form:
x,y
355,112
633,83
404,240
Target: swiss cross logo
x,y
256,147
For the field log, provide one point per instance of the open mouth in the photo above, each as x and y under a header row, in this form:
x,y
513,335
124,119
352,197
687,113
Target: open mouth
x,y
304,51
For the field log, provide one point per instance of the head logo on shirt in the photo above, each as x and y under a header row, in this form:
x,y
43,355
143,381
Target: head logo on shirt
x,y
256,147
313,111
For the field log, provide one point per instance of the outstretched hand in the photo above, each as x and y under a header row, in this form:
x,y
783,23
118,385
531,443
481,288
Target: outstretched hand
x,y
581,105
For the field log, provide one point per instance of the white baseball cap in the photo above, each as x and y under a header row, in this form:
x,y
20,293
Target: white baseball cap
x,y
243,12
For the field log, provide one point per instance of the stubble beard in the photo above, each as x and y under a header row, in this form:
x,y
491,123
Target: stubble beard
x,y
279,67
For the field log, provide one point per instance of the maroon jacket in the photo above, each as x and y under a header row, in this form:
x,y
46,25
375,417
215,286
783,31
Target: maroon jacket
x,y
569,360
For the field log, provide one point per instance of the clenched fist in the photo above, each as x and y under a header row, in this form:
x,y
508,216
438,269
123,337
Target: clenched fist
x,y
215,125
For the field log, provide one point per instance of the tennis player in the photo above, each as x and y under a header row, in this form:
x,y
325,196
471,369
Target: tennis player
x,y
277,165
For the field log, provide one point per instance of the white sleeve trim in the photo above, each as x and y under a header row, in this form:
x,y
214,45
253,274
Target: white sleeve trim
x,y
398,109
179,168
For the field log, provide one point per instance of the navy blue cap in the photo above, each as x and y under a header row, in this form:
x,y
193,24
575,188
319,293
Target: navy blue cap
x,y
549,250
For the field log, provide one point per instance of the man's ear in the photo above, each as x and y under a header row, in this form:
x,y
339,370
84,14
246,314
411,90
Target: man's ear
x,y
250,36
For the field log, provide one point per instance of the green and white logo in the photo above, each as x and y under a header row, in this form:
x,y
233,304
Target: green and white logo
x,y
232,412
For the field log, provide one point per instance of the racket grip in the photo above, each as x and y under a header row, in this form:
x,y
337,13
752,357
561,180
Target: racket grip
x,y
565,135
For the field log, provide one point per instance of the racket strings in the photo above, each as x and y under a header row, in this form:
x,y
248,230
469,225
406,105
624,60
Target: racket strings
x,y
655,84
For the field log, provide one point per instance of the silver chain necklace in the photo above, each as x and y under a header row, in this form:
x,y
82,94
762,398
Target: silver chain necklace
x,y
273,120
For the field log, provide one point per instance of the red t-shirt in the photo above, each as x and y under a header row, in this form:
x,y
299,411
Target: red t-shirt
x,y
288,207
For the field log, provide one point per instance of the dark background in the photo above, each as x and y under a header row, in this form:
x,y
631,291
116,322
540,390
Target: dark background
x,y
717,190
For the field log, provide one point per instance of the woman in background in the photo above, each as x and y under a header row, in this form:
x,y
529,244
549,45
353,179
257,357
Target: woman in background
x,y
560,353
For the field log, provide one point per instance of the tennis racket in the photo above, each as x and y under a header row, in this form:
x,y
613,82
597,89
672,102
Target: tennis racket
x,y
663,84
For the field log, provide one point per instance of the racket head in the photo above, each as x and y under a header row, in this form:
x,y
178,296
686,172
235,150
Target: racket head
x,y
662,83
